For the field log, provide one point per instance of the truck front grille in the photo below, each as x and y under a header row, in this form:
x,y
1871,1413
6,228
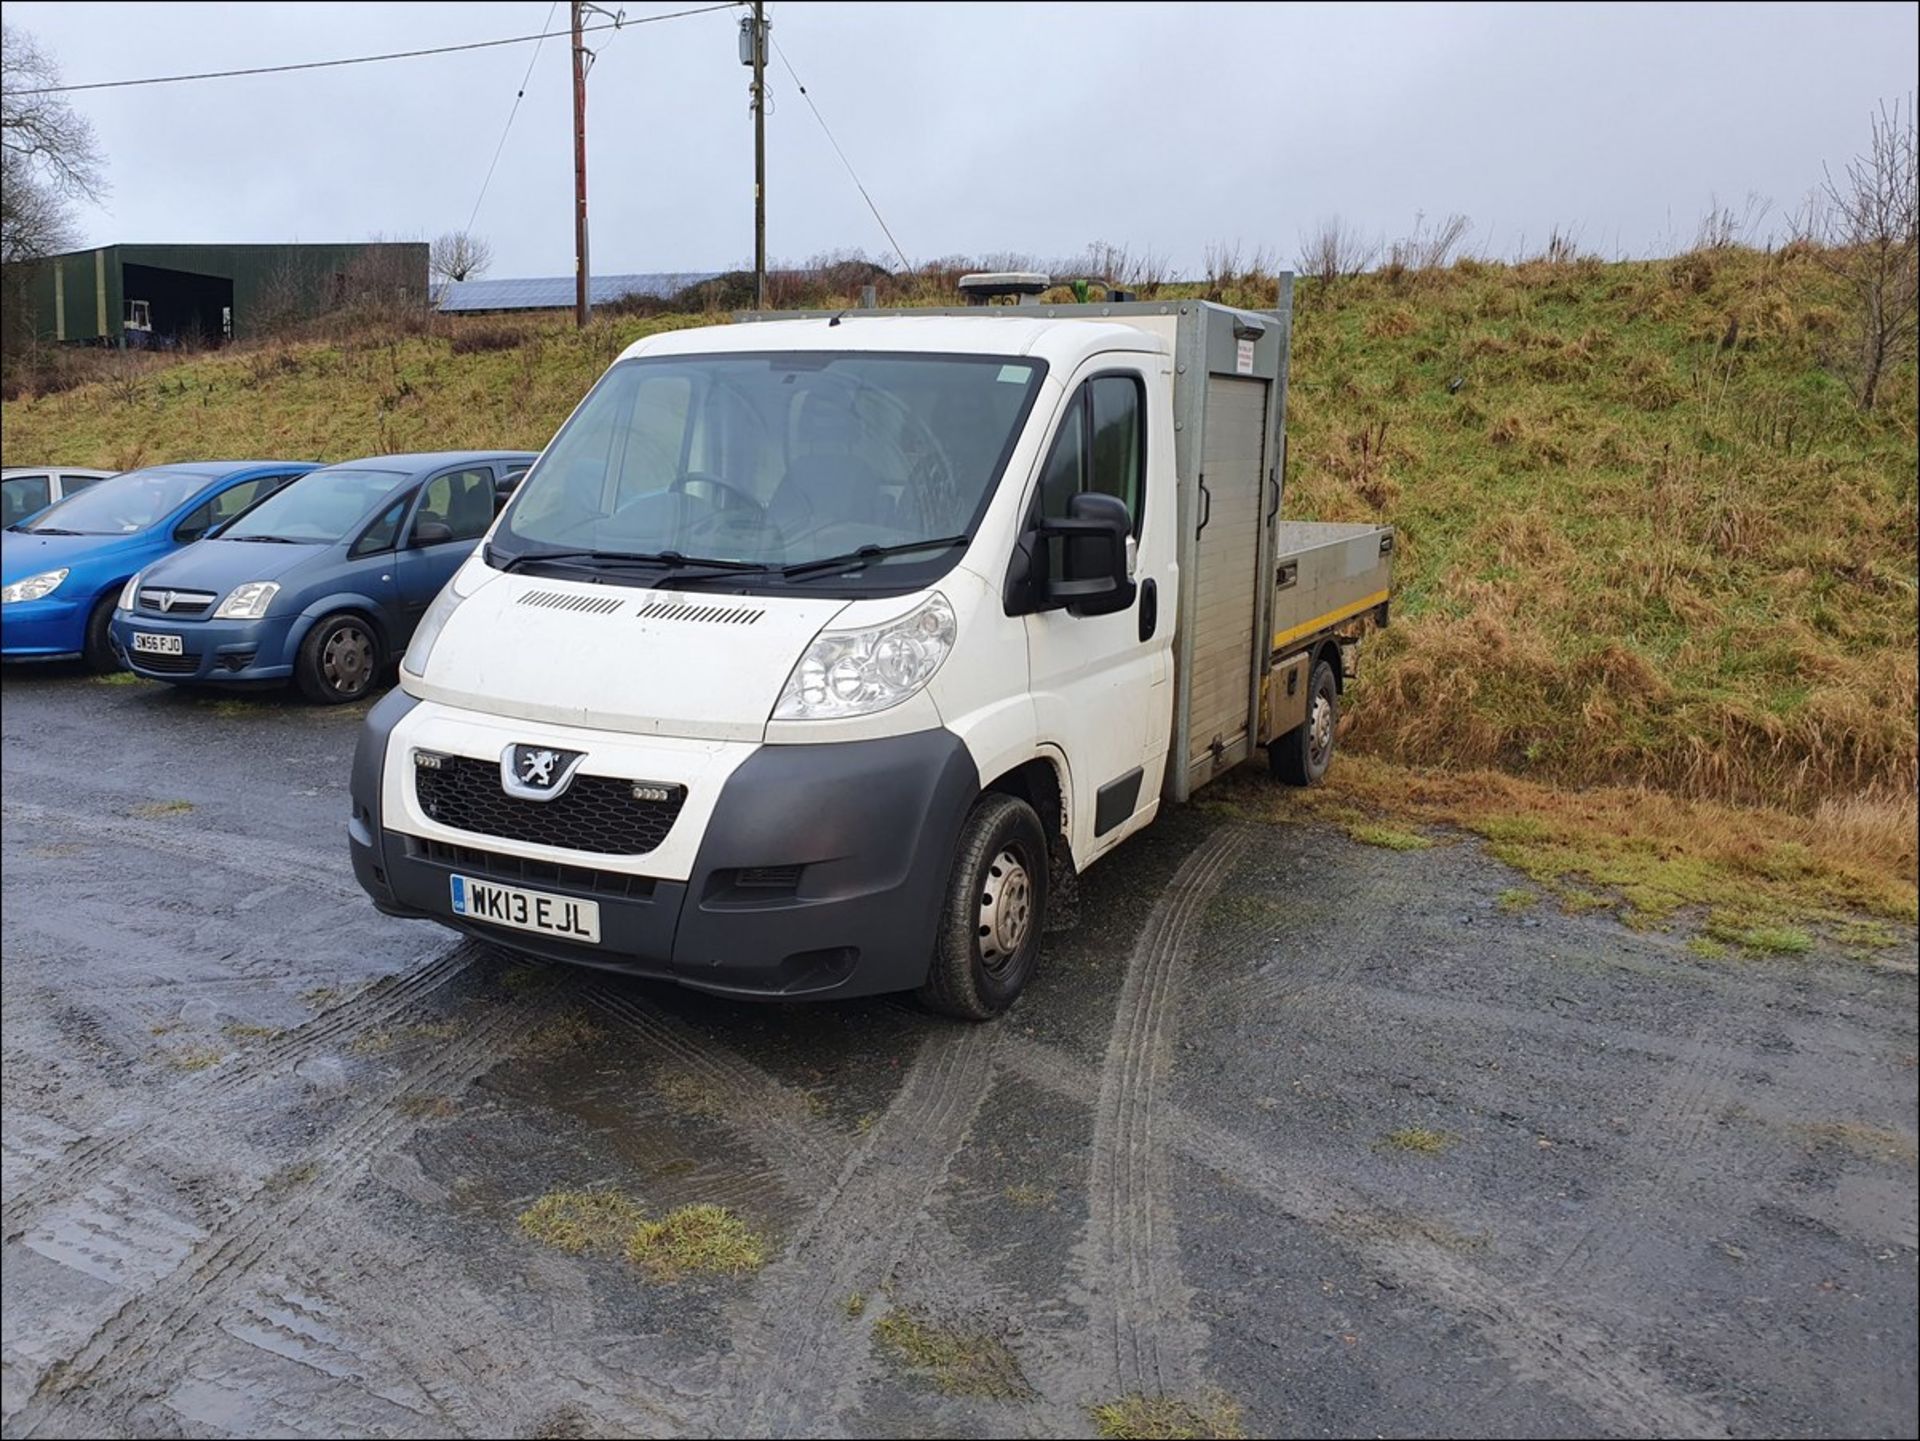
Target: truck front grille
x,y
516,870
595,813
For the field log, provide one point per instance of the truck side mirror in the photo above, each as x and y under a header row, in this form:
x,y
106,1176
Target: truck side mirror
x,y
1092,576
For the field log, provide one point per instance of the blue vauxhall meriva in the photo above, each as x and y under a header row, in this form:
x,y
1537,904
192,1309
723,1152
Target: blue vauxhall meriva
x,y
323,582
61,570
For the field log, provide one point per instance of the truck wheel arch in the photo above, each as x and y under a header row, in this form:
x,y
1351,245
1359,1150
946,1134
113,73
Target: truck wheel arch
x,y
1041,782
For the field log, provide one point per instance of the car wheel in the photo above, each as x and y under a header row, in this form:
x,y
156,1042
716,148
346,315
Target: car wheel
x,y
989,938
96,651
1302,755
339,660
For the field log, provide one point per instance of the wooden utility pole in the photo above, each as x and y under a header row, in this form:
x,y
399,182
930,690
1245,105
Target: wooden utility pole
x,y
580,303
759,155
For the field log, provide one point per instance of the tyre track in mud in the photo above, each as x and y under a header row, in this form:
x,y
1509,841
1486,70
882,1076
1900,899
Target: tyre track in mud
x,y
1147,1343
85,1161
1542,1341
120,1358
765,1112
798,1362
309,869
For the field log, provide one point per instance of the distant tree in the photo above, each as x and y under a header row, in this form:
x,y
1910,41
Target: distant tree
x,y
459,255
48,155
1872,233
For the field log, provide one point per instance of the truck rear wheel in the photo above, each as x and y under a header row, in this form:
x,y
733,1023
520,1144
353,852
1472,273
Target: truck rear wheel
x,y
989,938
1302,755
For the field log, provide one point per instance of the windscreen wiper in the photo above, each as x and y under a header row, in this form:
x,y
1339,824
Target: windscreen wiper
x,y
867,553
48,530
678,566
269,539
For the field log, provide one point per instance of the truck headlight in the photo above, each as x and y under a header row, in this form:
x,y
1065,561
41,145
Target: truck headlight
x,y
34,587
463,584
130,592
249,601
857,672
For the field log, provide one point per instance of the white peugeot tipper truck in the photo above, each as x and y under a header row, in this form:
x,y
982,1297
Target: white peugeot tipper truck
x,y
817,654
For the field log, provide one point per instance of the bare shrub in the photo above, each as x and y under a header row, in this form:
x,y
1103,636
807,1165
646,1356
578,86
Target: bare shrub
x,y
1868,220
1722,227
1334,250
479,339
1428,246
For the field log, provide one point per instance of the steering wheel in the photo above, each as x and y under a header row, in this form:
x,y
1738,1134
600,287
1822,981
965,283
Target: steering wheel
x,y
742,497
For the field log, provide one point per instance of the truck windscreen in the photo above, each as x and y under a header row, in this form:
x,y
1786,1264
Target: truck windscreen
x,y
774,461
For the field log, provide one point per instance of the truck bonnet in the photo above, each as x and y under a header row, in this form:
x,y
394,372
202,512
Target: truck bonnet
x,y
690,663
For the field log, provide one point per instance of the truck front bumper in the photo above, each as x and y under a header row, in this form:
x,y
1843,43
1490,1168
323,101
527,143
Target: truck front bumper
x,y
821,871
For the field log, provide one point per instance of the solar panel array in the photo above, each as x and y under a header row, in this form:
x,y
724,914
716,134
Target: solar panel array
x,y
557,292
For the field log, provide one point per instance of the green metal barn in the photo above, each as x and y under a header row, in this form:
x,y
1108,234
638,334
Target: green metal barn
x,y
165,294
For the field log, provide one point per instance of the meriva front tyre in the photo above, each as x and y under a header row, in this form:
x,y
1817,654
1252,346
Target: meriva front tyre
x,y
988,942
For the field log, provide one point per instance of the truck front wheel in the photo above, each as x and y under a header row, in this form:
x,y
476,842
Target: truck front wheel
x,y
989,937
1302,755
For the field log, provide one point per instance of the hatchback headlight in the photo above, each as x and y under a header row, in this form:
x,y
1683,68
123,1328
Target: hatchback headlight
x,y
249,601
857,672
34,587
130,592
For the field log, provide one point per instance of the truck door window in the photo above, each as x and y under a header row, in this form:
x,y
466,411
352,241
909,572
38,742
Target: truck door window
x,y
1101,446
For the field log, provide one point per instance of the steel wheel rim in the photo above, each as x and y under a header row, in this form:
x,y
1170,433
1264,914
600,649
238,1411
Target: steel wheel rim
x,y
1006,910
346,660
1320,733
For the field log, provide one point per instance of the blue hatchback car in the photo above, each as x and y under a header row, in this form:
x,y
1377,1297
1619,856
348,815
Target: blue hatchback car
x,y
63,569
324,582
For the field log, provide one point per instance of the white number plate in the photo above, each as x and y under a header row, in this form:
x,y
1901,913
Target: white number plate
x,y
561,916
156,644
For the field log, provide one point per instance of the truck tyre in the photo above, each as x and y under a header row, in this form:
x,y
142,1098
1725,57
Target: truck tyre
x,y
339,660
996,907
96,651
1302,755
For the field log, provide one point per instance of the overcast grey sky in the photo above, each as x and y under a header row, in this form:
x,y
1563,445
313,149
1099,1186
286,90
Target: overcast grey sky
x,y
1033,128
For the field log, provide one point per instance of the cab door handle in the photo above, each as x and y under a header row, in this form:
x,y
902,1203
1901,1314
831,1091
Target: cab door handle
x,y
1149,608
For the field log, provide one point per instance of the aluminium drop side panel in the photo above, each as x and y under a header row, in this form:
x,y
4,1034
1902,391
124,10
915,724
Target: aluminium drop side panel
x,y
1227,405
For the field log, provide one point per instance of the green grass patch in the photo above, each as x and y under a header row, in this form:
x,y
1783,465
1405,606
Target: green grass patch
x,y
1419,1141
1167,1418
1863,1140
580,1221
958,1362
158,810
1518,899
246,1031
1389,838
123,677
856,1306
196,1058
701,1239
1764,940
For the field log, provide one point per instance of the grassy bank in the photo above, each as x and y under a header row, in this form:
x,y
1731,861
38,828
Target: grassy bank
x,y
1647,538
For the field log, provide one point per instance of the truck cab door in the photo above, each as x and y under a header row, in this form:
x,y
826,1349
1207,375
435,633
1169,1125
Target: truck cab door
x,y
1100,682
454,510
